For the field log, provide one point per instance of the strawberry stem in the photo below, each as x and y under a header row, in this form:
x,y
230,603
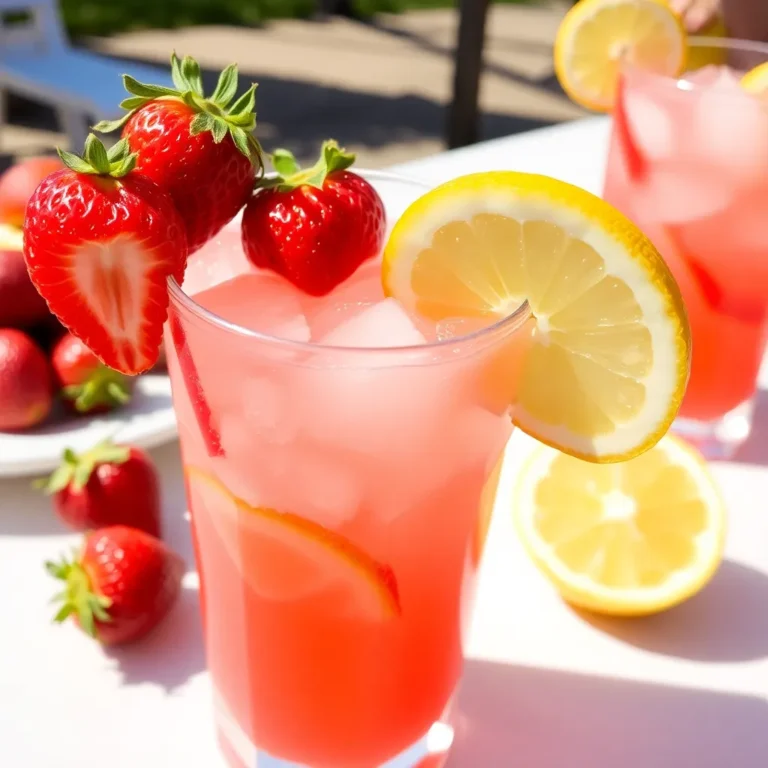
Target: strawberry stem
x,y
215,114
116,162
291,176
75,470
105,386
78,597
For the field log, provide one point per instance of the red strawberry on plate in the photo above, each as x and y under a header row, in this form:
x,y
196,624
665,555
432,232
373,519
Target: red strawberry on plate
x,y
100,241
201,150
121,585
26,384
86,384
314,227
108,485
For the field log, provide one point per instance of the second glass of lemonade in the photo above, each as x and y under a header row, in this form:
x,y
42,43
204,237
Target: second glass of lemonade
x,y
336,454
688,163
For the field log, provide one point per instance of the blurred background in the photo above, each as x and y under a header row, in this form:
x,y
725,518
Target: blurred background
x,y
393,80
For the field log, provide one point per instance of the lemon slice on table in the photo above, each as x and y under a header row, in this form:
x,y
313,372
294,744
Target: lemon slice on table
x,y
756,80
597,36
606,368
627,539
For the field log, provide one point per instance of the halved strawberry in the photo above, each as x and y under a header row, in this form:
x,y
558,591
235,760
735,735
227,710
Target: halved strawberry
x,y
100,242
286,557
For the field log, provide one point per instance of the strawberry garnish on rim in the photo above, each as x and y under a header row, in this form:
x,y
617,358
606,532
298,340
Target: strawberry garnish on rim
x,y
100,242
200,149
314,226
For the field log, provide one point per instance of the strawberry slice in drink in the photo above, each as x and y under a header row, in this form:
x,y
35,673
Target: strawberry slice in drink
x,y
637,165
100,242
286,557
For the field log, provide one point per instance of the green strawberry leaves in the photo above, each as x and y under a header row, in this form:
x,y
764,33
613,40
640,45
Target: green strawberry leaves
x,y
290,175
75,470
116,162
216,114
78,597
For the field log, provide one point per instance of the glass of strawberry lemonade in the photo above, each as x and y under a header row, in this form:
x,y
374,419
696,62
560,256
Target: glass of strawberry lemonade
x,y
688,163
336,451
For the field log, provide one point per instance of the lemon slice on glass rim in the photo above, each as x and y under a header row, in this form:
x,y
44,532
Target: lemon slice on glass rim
x,y
609,358
627,539
597,36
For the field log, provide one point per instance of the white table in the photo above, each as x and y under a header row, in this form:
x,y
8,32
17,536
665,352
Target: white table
x,y
544,688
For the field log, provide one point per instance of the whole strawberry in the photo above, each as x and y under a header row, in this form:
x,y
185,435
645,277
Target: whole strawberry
x,y
200,150
120,586
317,226
108,485
100,242
87,385
26,384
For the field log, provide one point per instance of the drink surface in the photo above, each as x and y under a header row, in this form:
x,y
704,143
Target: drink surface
x,y
689,164
339,533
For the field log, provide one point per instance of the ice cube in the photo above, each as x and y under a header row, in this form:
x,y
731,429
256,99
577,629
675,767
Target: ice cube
x,y
219,260
385,324
730,131
704,76
345,301
384,403
259,301
320,485
680,192
651,124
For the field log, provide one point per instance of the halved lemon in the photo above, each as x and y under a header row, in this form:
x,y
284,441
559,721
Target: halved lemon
x,y
603,374
11,238
627,539
285,557
597,36
756,80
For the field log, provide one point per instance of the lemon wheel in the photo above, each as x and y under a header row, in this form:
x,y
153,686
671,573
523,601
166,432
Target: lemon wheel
x,y
597,36
605,369
626,539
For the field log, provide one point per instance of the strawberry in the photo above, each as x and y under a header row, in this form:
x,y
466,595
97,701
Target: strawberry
x,y
20,304
314,227
19,182
26,385
120,586
100,242
86,384
200,150
108,485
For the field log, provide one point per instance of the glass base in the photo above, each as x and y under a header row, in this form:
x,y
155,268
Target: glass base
x,y
720,439
431,751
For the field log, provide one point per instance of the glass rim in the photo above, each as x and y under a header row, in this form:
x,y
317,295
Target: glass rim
x,y
681,82
508,324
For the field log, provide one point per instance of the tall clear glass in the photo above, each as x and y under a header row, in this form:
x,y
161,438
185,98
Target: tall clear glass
x,y
340,501
688,162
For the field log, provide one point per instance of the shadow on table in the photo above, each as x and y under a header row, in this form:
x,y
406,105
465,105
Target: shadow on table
x,y
727,621
521,716
172,654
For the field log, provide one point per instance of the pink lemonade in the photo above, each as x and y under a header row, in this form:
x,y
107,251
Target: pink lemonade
x,y
336,453
688,163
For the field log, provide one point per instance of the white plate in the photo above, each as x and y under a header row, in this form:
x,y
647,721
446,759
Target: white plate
x,y
147,421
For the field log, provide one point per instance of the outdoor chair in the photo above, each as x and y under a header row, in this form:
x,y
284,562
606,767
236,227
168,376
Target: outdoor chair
x,y
38,62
